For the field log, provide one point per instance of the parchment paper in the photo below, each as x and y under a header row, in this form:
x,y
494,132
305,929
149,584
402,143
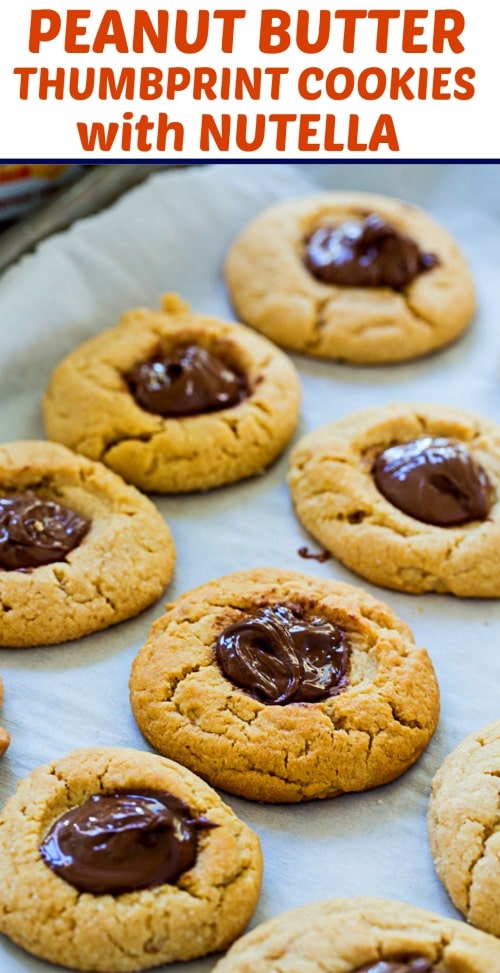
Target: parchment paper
x,y
172,234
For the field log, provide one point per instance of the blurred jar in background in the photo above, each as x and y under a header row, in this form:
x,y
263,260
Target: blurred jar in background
x,y
24,185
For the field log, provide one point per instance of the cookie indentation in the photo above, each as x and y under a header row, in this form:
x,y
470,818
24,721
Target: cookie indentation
x,y
365,253
279,655
435,480
115,843
36,531
188,381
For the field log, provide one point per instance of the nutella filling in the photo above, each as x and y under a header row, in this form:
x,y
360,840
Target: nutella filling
x,y
121,842
280,655
417,965
321,557
367,253
435,480
188,381
35,531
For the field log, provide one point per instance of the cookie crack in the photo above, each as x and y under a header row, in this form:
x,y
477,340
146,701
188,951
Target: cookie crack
x,y
262,407
121,440
119,946
302,466
267,428
232,424
411,724
234,877
101,774
99,588
359,513
178,681
439,946
340,727
320,321
454,547
248,719
320,305
61,580
179,709
488,831
55,773
416,314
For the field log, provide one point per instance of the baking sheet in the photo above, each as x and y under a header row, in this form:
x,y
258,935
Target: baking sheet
x,y
172,234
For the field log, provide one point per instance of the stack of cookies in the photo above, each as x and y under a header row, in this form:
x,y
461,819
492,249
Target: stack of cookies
x,y
270,684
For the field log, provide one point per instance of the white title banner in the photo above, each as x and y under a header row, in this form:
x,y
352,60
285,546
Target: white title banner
x,y
229,81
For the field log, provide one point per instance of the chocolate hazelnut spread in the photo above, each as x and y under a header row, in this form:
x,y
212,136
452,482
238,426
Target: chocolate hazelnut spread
x,y
120,842
417,965
189,381
321,557
281,655
365,253
435,480
36,531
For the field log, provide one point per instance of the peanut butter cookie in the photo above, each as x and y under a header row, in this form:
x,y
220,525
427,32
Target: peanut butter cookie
x,y
407,496
351,276
79,549
464,827
116,860
175,401
282,687
362,935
